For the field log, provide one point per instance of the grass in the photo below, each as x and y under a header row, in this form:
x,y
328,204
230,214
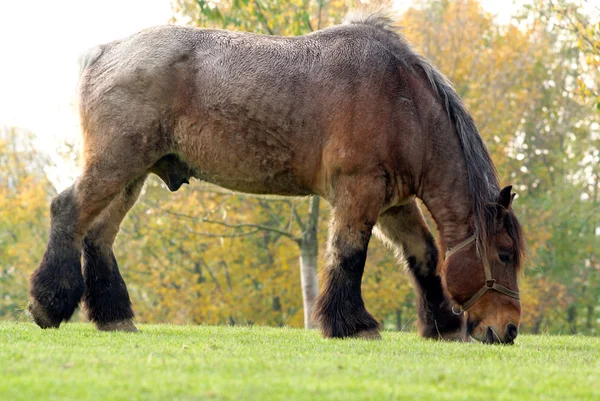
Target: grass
x,y
163,362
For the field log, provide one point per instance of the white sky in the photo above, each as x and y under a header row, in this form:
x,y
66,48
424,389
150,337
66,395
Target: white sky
x,y
41,40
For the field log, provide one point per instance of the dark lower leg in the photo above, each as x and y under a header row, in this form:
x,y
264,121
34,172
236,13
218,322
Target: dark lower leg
x,y
404,228
106,297
340,310
436,319
57,285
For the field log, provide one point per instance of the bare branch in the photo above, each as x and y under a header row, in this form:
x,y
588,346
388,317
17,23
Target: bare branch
x,y
212,235
266,205
320,12
212,276
298,219
574,28
236,226
596,7
308,23
262,17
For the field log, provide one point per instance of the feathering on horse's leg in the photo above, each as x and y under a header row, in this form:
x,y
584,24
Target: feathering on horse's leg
x,y
339,309
404,228
106,298
56,287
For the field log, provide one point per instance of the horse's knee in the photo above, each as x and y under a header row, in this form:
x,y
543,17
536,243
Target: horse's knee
x,y
421,255
63,210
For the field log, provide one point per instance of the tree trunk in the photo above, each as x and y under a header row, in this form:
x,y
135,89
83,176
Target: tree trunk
x,y
537,325
309,250
590,320
571,318
399,319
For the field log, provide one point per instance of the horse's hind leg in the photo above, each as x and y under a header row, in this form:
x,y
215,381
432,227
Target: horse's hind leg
x,y
405,229
339,309
106,297
57,285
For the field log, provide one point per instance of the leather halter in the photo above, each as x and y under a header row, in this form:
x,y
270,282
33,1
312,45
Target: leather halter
x,y
490,283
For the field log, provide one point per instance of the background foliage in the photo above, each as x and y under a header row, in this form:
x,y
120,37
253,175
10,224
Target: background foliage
x,y
204,255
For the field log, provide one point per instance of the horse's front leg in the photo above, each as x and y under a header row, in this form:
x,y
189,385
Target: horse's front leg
x,y
339,309
106,297
404,228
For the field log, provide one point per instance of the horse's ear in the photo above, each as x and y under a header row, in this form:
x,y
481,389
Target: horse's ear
x,y
505,198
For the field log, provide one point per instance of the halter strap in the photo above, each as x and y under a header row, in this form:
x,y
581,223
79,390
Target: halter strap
x,y
490,283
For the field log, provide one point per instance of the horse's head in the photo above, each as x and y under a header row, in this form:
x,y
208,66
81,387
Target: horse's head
x,y
480,274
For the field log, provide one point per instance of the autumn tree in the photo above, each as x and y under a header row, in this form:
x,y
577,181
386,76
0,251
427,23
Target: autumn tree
x,y
563,142
25,193
206,255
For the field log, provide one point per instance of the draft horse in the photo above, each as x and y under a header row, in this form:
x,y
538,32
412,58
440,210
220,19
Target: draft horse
x,y
348,113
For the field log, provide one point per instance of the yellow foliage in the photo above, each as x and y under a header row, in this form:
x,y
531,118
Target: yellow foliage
x,y
24,196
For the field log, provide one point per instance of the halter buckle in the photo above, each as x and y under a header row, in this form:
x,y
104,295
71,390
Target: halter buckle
x,y
458,312
490,283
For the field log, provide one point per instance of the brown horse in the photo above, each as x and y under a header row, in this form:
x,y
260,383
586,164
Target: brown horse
x,y
349,113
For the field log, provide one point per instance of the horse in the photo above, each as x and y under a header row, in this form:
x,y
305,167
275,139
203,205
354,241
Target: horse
x,y
350,113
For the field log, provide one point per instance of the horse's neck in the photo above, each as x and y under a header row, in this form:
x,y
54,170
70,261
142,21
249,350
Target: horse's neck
x,y
444,186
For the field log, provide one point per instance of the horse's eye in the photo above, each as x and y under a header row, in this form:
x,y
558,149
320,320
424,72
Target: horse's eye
x,y
505,257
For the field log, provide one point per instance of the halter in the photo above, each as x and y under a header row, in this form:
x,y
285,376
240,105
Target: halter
x,y
490,283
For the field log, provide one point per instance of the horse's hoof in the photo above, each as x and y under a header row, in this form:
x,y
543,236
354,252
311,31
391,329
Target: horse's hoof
x,y
372,334
56,288
118,325
41,316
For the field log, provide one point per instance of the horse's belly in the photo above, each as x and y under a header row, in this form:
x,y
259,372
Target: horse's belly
x,y
246,161
277,183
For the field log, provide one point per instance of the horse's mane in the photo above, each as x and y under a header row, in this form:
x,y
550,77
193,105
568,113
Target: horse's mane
x,y
482,175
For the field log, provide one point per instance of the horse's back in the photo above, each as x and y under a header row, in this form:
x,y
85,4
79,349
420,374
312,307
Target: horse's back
x,y
232,62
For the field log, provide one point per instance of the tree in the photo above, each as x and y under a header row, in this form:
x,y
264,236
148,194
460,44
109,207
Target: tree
x,y
25,193
580,23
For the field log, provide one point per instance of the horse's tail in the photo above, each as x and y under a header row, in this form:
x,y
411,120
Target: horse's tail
x,y
89,57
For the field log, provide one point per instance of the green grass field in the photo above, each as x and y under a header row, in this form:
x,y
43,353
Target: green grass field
x,y
256,363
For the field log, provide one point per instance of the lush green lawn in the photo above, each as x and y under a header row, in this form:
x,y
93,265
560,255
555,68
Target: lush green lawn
x,y
256,363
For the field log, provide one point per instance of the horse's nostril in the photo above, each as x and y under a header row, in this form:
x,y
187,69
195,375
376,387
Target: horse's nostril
x,y
511,332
